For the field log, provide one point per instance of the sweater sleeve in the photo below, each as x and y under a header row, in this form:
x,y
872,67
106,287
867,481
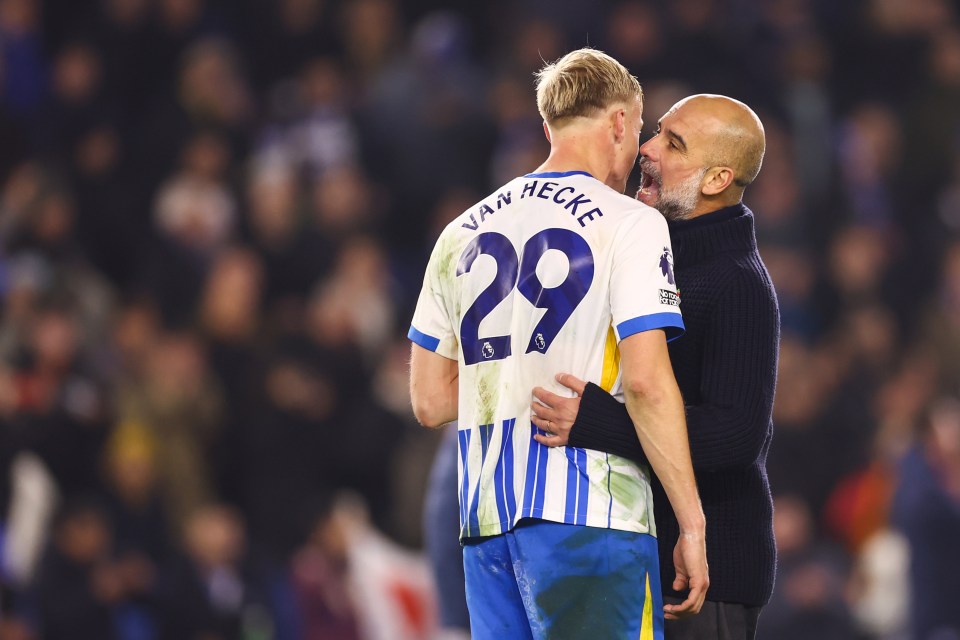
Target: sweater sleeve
x,y
729,426
603,424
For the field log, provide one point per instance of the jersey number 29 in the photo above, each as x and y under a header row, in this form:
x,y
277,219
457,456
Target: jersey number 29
x,y
559,301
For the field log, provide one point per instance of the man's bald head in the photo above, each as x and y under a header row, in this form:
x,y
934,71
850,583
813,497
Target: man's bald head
x,y
734,134
708,148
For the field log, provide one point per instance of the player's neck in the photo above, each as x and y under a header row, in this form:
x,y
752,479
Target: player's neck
x,y
577,155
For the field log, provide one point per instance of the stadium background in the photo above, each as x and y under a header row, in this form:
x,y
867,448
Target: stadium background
x,y
214,216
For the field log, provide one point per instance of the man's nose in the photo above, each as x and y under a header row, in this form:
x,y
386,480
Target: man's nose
x,y
646,149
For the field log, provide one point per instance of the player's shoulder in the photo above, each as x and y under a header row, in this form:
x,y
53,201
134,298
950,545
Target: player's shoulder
x,y
630,213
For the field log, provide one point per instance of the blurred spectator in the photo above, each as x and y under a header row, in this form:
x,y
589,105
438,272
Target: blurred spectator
x,y
306,29
176,24
371,35
927,510
121,32
213,592
316,131
357,296
869,162
446,556
76,101
941,326
792,270
61,411
132,496
932,111
520,144
80,587
344,204
108,235
390,587
283,456
295,255
404,449
320,574
807,61
809,600
24,64
13,139
777,192
880,590
195,215
180,405
211,95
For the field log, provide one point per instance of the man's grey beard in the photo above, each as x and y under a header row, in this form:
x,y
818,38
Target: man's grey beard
x,y
678,203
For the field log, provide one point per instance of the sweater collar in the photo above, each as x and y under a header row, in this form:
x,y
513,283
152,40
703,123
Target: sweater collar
x,y
727,229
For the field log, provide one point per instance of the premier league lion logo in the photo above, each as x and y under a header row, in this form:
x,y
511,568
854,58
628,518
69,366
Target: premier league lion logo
x,y
666,265
540,342
487,350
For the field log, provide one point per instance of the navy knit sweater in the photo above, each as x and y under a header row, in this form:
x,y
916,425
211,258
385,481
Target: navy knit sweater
x,y
726,365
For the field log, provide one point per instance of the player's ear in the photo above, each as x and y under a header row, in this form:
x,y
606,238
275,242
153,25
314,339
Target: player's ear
x,y
619,124
716,180
546,131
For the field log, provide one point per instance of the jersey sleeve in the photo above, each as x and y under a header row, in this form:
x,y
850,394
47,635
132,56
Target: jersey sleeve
x,y
643,289
432,327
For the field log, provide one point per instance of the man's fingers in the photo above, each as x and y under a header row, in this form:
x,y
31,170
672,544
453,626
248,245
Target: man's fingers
x,y
546,397
680,582
692,605
551,438
572,382
544,425
542,412
698,593
686,608
550,441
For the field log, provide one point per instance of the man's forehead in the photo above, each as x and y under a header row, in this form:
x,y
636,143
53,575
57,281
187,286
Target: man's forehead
x,y
686,120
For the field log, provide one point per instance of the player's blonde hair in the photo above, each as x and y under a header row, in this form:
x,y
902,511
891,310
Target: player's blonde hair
x,y
582,83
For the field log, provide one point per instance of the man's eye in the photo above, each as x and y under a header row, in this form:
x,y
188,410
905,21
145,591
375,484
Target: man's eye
x,y
673,145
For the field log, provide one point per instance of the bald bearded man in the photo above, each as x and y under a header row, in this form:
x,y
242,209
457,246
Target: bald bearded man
x,y
707,150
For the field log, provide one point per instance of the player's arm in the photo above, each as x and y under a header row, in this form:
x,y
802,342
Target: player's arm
x,y
434,387
728,426
655,406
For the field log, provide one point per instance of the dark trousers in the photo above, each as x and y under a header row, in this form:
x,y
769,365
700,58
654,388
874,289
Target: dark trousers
x,y
716,621
441,531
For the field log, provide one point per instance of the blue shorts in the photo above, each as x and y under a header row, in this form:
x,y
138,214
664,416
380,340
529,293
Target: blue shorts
x,y
546,580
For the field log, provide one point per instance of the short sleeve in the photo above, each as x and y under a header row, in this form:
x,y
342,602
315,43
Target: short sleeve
x,y
643,288
431,327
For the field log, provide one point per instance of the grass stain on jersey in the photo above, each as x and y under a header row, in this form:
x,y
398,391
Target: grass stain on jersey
x,y
488,391
449,258
628,489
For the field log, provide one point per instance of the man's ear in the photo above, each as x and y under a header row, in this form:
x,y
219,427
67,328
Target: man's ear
x,y
716,180
619,124
546,131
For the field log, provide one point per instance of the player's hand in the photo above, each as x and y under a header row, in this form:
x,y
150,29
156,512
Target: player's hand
x,y
556,414
690,560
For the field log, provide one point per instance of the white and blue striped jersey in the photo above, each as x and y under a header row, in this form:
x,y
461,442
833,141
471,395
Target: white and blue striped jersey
x,y
545,275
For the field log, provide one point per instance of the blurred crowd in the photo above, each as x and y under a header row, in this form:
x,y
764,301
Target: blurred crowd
x,y
214,217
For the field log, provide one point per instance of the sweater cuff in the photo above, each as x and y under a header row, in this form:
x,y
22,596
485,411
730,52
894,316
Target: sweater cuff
x,y
603,424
